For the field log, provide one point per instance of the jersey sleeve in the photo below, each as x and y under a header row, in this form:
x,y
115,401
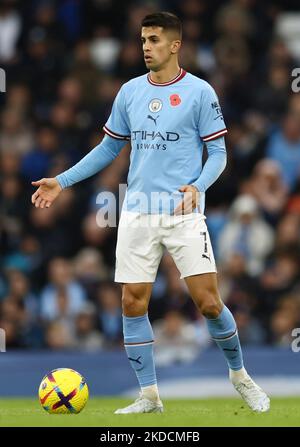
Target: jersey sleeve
x,y
211,122
117,125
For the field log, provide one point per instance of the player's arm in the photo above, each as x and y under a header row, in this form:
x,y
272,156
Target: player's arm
x,y
213,168
214,165
97,159
211,128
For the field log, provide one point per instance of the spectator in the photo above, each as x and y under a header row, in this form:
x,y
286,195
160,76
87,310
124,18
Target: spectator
x,y
58,336
176,340
16,134
87,337
10,31
36,163
63,298
246,233
250,330
288,231
284,148
282,276
267,187
90,270
110,314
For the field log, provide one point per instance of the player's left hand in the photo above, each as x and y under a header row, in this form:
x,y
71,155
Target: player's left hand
x,y
190,200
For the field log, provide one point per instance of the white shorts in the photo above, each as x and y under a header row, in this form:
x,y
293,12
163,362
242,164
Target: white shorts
x,y
143,237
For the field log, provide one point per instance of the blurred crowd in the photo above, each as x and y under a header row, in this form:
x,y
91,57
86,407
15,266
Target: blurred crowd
x,y
65,61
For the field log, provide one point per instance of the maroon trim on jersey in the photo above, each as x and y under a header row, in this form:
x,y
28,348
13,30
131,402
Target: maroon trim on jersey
x,y
115,135
180,75
214,135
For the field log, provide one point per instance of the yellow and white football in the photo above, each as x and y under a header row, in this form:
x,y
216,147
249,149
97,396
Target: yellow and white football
x,y
63,391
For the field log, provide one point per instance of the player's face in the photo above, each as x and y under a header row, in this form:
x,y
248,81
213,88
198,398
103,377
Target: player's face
x,y
158,47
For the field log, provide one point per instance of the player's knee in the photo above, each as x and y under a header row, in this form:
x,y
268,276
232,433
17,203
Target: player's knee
x,y
134,301
130,305
211,305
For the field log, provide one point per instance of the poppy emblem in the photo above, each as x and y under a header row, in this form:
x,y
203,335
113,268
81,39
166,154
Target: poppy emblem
x,y
175,100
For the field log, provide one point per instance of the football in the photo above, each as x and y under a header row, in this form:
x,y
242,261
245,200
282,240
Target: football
x,y
63,391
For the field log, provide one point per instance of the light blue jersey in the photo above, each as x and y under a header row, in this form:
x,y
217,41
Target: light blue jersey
x,y
167,124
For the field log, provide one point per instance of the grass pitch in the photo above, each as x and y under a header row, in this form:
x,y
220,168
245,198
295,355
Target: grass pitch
x,y
285,412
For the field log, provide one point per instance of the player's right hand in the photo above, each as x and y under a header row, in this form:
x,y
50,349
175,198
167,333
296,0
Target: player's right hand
x,y
48,190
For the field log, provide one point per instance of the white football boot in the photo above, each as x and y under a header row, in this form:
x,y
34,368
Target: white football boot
x,y
252,394
142,405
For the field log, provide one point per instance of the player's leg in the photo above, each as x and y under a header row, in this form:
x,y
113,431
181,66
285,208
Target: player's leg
x,y
222,327
189,244
138,342
138,255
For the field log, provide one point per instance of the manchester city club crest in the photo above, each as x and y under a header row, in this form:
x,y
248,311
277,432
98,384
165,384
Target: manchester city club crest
x,y
155,105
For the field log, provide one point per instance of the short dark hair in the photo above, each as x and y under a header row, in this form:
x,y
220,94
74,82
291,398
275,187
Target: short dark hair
x,y
166,20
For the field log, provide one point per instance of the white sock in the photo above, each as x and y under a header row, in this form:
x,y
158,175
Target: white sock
x,y
151,392
237,376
